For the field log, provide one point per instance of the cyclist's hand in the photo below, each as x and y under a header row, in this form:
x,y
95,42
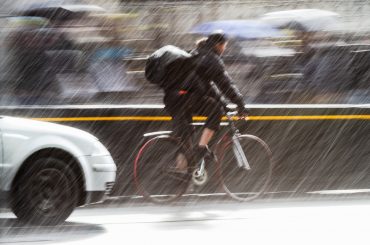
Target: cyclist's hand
x,y
243,112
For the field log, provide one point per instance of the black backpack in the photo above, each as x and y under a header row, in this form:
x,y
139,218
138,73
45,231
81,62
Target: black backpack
x,y
161,65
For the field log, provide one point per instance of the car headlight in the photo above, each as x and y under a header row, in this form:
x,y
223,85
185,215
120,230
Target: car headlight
x,y
98,149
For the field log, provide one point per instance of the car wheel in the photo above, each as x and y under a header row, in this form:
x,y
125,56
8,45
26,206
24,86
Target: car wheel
x,y
45,193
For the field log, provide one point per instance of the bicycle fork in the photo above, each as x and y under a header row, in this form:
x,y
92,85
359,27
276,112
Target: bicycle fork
x,y
240,156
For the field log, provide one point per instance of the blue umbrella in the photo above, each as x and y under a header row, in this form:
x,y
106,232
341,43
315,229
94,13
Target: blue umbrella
x,y
238,29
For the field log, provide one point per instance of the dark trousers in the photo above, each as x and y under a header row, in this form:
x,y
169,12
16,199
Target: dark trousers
x,y
183,106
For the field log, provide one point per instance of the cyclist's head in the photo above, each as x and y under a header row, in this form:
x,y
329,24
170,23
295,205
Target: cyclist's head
x,y
217,41
201,43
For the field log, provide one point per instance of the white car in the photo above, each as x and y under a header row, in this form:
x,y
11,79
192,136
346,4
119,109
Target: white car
x,y
46,169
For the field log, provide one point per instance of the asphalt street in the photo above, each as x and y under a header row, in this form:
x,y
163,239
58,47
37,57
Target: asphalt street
x,y
268,221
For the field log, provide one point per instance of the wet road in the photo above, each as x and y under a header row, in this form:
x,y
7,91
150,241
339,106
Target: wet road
x,y
206,222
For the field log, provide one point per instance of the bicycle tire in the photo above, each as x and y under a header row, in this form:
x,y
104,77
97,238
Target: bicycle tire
x,y
239,183
152,179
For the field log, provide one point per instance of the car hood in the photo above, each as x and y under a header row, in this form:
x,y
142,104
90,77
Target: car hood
x,y
28,126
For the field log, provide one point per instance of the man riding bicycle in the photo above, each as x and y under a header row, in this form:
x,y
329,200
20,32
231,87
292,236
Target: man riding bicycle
x,y
199,95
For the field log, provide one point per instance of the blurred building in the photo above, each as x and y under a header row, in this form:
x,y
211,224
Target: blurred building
x,y
109,50
183,14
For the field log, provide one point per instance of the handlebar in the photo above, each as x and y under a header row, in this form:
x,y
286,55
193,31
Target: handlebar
x,y
232,113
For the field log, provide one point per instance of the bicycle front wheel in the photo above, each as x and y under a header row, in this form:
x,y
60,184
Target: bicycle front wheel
x,y
241,183
154,170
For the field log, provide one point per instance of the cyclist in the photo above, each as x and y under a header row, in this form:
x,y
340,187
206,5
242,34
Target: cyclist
x,y
202,93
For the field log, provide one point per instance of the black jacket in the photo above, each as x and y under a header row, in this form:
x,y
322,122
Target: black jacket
x,y
210,68
200,73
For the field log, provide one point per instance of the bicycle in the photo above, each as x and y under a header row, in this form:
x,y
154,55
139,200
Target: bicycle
x,y
244,165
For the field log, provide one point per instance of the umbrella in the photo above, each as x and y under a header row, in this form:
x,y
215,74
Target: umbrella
x,y
238,29
59,12
303,19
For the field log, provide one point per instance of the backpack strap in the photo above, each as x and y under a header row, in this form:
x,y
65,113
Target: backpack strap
x,y
193,73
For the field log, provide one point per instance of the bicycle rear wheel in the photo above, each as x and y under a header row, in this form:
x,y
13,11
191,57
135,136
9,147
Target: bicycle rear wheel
x,y
239,183
154,172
